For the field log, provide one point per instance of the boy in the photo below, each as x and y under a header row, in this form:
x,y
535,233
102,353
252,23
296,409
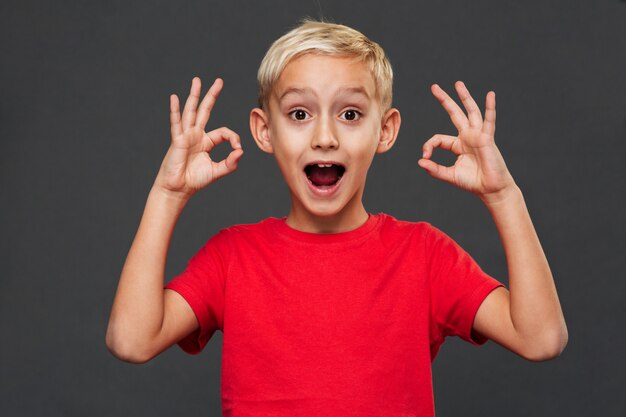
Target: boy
x,y
331,311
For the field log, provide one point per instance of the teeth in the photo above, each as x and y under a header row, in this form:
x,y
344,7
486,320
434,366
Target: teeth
x,y
324,165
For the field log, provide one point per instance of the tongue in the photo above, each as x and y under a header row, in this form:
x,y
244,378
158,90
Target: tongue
x,y
324,175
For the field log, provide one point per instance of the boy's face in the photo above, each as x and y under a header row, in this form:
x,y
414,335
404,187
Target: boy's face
x,y
324,124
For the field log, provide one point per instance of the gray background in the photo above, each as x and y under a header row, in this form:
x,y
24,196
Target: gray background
x,y
84,126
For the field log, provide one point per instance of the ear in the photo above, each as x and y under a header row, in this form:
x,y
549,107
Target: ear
x,y
259,126
390,126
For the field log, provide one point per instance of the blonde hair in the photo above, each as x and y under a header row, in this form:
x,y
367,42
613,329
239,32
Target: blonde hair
x,y
325,38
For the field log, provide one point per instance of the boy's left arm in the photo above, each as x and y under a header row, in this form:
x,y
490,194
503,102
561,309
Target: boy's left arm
x,y
526,319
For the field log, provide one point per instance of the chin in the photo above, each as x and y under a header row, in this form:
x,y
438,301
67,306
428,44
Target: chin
x,y
324,210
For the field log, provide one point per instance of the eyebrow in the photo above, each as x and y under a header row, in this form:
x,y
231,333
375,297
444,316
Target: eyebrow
x,y
305,90
294,90
354,90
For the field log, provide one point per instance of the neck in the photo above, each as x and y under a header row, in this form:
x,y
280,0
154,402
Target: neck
x,y
346,220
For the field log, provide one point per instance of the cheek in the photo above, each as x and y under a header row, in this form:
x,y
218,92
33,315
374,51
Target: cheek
x,y
288,151
286,168
289,140
363,143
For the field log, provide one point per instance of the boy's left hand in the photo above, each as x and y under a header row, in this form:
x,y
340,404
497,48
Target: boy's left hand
x,y
479,167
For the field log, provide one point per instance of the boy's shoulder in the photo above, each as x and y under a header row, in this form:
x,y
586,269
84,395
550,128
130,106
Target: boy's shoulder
x,y
260,226
382,224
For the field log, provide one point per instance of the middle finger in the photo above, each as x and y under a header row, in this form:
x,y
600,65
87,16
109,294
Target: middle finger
x,y
456,114
204,111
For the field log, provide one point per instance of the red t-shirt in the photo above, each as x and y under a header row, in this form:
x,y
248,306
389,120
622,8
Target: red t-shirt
x,y
342,324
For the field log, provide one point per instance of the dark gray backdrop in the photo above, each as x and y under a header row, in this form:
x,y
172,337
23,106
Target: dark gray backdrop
x,y
84,127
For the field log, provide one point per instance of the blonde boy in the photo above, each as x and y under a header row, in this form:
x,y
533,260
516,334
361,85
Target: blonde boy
x,y
331,311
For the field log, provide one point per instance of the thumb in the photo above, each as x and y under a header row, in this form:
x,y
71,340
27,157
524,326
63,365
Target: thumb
x,y
437,171
227,165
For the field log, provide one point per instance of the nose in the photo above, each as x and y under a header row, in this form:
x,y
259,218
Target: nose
x,y
324,136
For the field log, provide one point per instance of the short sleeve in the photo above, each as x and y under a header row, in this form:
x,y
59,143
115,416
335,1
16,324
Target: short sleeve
x,y
201,284
458,288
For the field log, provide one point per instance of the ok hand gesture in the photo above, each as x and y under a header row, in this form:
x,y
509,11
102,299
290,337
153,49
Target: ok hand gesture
x,y
479,167
187,166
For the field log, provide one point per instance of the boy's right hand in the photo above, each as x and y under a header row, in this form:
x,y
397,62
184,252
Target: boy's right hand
x,y
187,166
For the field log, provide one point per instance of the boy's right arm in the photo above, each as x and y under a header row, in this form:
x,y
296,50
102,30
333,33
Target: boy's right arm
x,y
146,319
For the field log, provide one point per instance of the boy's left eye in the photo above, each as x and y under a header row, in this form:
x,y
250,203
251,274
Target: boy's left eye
x,y
351,115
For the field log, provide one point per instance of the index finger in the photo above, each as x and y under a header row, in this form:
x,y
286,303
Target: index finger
x,y
215,137
204,111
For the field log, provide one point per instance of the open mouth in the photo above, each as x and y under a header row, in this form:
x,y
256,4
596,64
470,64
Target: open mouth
x,y
324,174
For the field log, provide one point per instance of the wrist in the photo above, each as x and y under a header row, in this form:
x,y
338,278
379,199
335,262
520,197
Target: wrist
x,y
174,199
507,194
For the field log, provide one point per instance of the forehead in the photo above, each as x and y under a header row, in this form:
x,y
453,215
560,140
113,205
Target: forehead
x,y
325,75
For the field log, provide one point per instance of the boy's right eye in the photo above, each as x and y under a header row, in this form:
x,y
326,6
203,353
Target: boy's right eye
x,y
298,114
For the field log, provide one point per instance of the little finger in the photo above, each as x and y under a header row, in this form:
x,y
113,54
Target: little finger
x,y
176,128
